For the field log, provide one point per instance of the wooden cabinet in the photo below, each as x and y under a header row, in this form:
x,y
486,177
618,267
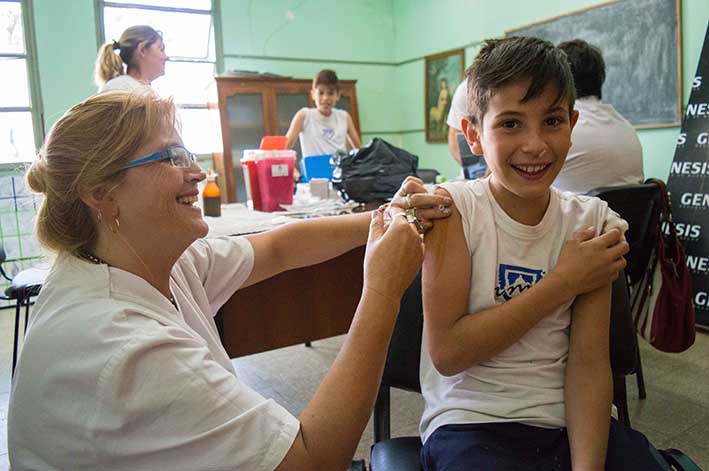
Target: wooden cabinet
x,y
253,107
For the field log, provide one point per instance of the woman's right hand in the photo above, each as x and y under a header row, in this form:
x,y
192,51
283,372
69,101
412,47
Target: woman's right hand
x,y
393,256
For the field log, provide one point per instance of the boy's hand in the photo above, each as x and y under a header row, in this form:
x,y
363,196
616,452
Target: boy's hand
x,y
588,262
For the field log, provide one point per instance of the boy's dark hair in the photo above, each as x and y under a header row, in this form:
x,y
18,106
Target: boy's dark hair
x,y
504,61
328,78
587,66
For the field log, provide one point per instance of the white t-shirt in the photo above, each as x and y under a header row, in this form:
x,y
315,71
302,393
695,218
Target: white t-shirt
x,y
113,377
124,83
605,150
459,105
321,134
525,382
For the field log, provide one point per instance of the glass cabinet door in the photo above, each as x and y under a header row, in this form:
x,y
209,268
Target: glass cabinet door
x,y
246,128
344,104
287,105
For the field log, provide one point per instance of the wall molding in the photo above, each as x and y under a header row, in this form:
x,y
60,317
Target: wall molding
x,y
337,61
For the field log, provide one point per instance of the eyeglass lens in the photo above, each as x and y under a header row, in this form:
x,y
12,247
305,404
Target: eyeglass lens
x,y
181,157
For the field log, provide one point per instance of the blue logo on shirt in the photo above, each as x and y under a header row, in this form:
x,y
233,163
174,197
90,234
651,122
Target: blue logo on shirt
x,y
512,280
328,134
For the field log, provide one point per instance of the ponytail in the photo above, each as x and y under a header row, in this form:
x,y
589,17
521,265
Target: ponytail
x,y
108,64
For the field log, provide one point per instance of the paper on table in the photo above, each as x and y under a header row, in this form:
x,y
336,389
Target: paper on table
x,y
237,219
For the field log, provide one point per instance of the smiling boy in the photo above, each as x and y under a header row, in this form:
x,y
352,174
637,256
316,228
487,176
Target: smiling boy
x,y
515,368
323,129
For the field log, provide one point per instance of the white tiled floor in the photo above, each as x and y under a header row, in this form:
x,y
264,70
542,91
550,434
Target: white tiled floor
x,y
674,415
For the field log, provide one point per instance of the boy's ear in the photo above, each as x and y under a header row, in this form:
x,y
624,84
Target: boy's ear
x,y
574,119
472,135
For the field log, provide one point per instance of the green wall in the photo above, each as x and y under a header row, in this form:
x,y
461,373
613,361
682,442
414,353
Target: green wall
x,y
355,38
66,50
380,43
461,22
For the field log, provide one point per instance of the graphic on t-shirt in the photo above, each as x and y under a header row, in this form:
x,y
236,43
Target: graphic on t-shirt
x,y
328,134
513,280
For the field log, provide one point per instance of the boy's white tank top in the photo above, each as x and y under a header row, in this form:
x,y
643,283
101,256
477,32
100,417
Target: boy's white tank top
x,y
525,382
323,134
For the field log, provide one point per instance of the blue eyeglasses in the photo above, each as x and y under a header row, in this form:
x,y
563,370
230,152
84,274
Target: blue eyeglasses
x,y
177,155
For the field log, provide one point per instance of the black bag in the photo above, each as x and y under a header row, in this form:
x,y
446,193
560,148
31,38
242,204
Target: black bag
x,y
372,173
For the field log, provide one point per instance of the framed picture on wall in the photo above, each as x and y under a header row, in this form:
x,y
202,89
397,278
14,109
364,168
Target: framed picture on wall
x,y
444,71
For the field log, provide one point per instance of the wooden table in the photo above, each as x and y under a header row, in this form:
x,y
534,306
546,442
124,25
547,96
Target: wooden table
x,y
294,307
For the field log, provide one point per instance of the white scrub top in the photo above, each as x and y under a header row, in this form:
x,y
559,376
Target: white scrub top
x,y
113,377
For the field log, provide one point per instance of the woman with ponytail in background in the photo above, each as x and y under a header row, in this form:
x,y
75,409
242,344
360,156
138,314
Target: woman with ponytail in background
x,y
141,50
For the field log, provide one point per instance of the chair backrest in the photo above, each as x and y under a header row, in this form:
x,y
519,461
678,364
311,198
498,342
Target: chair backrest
x,y
623,341
639,205
401,369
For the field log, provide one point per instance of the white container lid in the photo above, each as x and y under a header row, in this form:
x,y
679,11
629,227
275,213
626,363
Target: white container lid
x,y
259,154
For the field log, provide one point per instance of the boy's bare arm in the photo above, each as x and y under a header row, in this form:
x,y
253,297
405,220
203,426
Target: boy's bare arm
x,y
352,134
588,388
458,339
296,125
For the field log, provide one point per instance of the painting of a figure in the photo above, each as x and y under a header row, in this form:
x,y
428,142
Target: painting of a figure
x,y
444,72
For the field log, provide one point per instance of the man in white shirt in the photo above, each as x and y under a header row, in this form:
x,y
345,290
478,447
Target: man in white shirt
x,y
457,111
605,149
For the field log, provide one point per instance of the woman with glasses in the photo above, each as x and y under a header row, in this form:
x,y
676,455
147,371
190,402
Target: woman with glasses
x,y
132,62
122,366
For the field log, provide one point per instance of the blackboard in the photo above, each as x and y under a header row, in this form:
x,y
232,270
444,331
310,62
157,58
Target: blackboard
x,y
641,46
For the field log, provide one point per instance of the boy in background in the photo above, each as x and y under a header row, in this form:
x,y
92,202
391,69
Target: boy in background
x,y
323,129
515,368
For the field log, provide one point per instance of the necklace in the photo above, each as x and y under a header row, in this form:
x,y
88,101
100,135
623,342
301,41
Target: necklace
x,y
91,257
94,259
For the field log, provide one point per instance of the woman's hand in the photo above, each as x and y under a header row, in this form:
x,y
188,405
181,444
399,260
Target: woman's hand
x,y
394,255
421,205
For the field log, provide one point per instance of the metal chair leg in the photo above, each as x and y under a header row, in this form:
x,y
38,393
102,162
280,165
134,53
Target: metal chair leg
x,y
640,378
15,344
27,315
381,415
620,399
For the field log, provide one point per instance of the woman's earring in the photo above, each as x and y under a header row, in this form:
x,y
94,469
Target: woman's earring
x,y
116,223
99,216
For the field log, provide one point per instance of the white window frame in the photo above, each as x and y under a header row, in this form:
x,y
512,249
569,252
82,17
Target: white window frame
x,y
30,56
215,13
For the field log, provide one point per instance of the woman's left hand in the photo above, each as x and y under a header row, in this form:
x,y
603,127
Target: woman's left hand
x,y
420,206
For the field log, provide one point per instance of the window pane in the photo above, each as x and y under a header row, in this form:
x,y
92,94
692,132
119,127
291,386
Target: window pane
x,y
185,34
16,137
11,38
194,4
14,90
201,130
187,82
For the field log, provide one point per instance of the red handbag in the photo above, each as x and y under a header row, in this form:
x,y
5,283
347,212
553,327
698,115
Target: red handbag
x,y
661,302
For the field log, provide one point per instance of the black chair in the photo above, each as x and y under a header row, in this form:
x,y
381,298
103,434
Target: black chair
x,y
401,370
23,287
403,362
639,205
428,175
